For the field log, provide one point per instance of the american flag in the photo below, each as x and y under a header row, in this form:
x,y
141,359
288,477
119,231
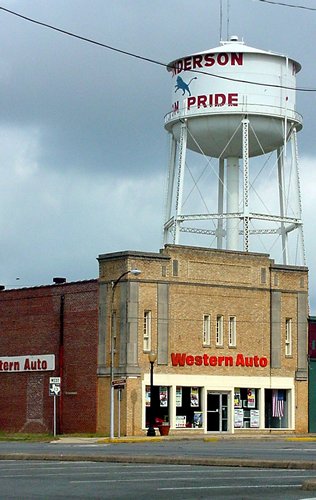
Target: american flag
x,y
277,403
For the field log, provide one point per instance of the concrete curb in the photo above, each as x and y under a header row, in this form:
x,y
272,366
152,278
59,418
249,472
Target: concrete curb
x,y
171,460
309,485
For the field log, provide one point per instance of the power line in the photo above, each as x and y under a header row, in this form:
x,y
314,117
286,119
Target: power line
x,y
147,59
283,4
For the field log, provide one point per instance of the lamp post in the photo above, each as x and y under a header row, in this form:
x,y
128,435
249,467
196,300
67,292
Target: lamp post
x,y
152,358
114,284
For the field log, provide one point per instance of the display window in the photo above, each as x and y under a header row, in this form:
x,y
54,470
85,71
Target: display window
x,y
188,407
160,404
246,408
276,408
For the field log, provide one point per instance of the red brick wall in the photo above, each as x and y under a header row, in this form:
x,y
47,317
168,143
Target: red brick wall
x,y
30,325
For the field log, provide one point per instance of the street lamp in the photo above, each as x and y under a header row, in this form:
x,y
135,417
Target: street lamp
x,y
152,358
114,284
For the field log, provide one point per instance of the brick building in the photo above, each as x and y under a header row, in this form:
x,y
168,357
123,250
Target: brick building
x,y
49,331
230,332
229,329
311,374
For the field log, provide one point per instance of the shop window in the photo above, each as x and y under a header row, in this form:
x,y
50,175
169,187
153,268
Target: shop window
x,y
232,331
113,330
147,331
188,407
276,408
288,337
160,404
219,330
206,330
246,408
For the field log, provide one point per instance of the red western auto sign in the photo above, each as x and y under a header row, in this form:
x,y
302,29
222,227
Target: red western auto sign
x,y
183,359
34,363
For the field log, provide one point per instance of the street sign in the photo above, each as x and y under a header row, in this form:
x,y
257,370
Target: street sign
x,y
54,386
119,383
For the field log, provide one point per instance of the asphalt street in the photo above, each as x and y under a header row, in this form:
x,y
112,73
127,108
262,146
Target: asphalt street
x,y
285,453
55,479
287,449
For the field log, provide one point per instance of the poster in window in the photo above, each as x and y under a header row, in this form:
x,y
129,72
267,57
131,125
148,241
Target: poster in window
x,y
181,421
254,418
251,398
238,418
163,396
147,395
237,399
194,397
179,396
198,419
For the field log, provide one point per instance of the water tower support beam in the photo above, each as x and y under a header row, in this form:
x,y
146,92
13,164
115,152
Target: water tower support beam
x,y
232,203
181,169
220,204
284,238
170,188
298,190
245,159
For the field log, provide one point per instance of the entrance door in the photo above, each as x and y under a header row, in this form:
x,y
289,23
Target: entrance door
x,y
217,412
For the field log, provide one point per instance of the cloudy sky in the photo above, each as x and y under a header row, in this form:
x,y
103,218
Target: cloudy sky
x,y
83,150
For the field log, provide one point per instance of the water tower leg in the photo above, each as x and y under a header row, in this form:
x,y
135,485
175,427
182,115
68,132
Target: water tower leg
x,y
280,153
181,169
232,203
299,198
245,161
170,187
220,205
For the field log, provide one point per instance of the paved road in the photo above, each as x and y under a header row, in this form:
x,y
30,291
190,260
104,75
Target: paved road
x,y
291,452
50,480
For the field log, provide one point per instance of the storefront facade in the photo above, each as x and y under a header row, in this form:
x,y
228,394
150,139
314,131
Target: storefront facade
x,y
230,333
229,330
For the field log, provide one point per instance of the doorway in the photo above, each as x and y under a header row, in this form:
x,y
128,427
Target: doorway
x,y
217,412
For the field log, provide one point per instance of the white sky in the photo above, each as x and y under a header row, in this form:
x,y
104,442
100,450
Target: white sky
x,y
83,151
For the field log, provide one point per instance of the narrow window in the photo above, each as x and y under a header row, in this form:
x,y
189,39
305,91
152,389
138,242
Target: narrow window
x,y
206,330
219,330
175,267
288,337
147,331
232,331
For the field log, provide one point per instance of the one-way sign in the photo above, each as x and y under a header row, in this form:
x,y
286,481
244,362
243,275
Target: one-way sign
x,y
54,386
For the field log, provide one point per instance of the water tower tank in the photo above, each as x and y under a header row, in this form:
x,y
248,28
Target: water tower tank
x,y
213,89
232,102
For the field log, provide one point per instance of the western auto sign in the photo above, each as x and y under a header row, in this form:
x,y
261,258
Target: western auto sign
x,y
184,359
34,363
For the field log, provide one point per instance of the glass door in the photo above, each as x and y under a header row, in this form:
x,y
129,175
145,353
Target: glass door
x,y
217,412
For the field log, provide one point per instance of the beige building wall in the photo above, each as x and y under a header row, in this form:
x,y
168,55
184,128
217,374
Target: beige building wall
x,y
179,286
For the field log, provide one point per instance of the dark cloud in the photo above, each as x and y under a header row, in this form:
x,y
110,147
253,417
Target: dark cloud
x,y
83,148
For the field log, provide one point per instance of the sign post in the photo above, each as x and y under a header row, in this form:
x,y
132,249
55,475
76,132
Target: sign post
x,y
119,384
54,390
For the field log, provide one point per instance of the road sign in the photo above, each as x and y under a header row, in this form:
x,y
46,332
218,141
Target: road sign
x,y
54,386
119,383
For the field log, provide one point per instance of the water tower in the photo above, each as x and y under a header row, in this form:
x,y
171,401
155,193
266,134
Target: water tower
x,y
235,104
